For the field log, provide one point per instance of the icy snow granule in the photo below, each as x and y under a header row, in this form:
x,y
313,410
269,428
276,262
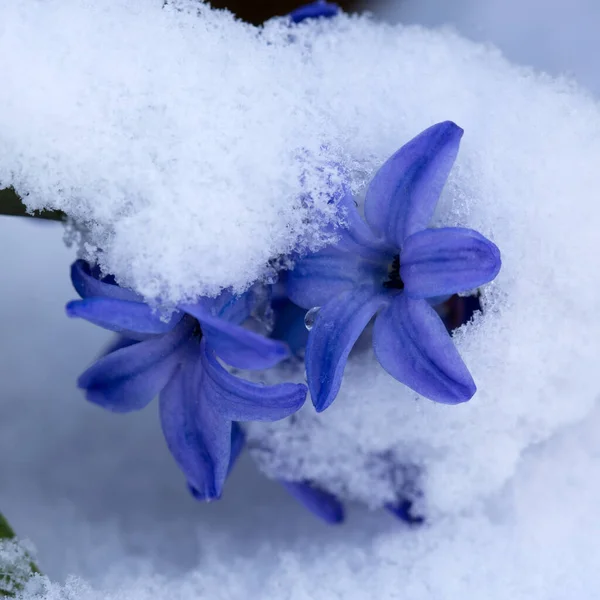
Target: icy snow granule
x,y
186,144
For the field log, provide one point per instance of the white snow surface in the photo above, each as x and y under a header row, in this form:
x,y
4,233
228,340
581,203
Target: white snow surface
x,y
511,480
196,149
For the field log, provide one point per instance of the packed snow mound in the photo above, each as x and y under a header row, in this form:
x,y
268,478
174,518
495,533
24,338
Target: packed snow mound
x,y
195,150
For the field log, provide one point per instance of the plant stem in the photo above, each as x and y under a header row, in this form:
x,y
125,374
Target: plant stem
x,y
12,205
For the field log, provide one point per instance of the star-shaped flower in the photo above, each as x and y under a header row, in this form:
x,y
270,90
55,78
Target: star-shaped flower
x,y
200,401
391,266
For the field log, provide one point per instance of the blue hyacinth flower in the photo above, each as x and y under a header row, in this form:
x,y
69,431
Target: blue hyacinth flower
x,y
314,10
390,267
200,401
289,326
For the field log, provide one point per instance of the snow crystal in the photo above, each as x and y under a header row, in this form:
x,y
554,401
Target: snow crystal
x,y
184,143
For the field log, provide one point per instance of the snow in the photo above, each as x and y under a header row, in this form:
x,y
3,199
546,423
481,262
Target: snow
x,y
509,481
141,121
15,569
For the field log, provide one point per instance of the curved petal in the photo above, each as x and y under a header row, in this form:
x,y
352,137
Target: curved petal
x,y
356,236
198,437
322,504
130,377
237,346
314,10
356,258
436,262
404,192
320,277
117,343
87,284
240,400
413,346
121,315
337,327
238,440
233,308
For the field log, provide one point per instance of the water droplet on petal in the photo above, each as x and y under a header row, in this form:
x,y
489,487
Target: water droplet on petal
x,y
311,315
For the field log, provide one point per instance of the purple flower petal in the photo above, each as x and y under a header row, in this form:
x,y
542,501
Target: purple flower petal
x,y
404,192
413,346
198,437
117,343
87,285
238,440
337,327
240,400
314,10
123,316
320,277
322,504
435,262
129,378
233,308
357,237
237,346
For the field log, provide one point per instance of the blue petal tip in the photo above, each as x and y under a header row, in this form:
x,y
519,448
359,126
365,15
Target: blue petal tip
x,y
204,495
71,309
315,10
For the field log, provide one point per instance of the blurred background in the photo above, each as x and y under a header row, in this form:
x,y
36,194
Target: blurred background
x,y
553,35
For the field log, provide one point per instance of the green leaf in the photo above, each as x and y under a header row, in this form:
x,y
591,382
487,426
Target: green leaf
x,y
16,567
11,204
5,529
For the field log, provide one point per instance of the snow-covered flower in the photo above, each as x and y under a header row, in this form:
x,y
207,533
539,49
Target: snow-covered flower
x,y
391,266
200,401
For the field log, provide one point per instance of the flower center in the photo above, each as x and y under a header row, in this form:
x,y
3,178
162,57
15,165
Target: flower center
x,y
197,331
394,281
